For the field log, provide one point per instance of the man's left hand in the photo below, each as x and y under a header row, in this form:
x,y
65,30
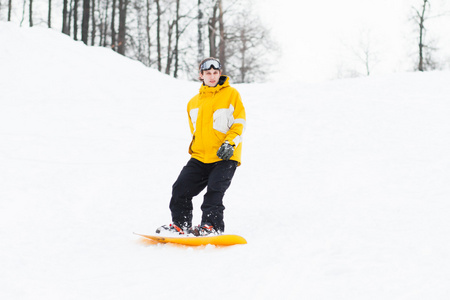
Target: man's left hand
x,y
225,151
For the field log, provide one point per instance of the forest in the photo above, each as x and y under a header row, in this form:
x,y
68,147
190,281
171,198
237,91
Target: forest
x,y
171,36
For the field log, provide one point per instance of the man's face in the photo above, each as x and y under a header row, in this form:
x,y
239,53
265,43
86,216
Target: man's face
x,y
211,77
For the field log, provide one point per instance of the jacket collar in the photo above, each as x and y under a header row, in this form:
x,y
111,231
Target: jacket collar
x,y
224,82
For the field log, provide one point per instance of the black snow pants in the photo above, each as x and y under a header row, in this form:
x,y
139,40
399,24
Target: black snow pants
x,y
194,177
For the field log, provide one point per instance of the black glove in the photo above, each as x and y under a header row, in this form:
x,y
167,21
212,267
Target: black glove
x,y
225,151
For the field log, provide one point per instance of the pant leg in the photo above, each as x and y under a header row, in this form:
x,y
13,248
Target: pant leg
x,y
191,181
218,182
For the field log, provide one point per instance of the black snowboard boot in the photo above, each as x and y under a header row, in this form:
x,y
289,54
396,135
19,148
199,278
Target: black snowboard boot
x,y
204,230
171,228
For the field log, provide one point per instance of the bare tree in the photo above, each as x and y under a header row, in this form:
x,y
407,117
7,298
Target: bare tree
x,y
212,23
113,26
426,61
170,35
65,26
9,10
75,20
219,16
179,31
222,42
85,21
94,23
177,37
248,49
158,33
49,19
147,31
31,13
104,25
69,22
123,4
200,43
363,52
23,12
421,22
138,40
169,46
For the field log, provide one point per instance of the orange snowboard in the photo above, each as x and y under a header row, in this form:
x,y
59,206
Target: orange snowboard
x,y
217,240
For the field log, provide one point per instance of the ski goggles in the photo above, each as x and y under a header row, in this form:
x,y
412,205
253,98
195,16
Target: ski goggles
x,y
212,63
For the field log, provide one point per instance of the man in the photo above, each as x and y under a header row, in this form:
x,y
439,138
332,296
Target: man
x,y
217,121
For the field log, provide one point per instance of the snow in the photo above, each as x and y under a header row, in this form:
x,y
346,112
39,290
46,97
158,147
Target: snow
x,y
343,192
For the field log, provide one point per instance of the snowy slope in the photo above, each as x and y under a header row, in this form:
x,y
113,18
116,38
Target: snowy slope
x,y
343,192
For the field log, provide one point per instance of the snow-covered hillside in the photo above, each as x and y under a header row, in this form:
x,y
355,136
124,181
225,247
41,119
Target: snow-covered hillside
x,y
343,192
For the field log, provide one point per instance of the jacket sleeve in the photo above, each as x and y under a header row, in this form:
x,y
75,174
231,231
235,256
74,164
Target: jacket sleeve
x,y
238,122
192,115
191,124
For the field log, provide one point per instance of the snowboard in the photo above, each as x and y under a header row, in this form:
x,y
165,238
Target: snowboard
x,y
217,240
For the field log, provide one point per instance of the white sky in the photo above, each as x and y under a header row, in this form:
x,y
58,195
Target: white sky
x,y
315,35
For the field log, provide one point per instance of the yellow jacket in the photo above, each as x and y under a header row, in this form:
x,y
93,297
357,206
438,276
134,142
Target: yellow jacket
x,y
216,114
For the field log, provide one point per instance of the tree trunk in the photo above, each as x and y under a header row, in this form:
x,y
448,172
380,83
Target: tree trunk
x,y
243,69
85,21
64,25
9,10
122,26
104,26
169,47
49,19
147,29
113,26
200,45
31,13
158,33
75,20
23,12
94,24
212,32
177,38
69,22
222,42
421,67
